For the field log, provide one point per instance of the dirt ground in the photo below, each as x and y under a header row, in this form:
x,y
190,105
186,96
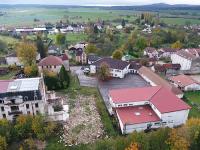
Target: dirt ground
x,y
84,125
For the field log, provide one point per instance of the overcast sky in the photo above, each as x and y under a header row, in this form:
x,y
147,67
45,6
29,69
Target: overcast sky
x,y
99,2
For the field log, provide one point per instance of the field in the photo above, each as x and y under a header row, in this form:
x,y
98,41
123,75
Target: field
x,y
193,99
19,16
72,38
8,39
24,16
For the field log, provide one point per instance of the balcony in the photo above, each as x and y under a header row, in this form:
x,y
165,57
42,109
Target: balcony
x,y
14,112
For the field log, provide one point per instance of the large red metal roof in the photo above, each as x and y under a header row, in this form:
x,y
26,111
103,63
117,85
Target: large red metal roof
x,y
137,114
162,98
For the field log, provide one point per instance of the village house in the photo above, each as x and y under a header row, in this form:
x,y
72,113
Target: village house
x,y
53,50
12,59
27,96
155,80
53,63
151,52
167,69
118,68
189,61
146,108
185,83
166,52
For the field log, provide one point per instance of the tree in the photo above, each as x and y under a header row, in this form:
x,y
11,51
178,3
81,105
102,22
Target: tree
x,y
31,71
91,48
41,48
177,140
3,46
141,43
27,52
3,143
123,23
23,126
104,71
117,54
133,146
29,144
144,62
64,77
176,45
60,39
38,127
96,30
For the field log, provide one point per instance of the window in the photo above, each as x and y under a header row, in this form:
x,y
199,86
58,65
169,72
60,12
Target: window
x,y
4,115
54,66
125,104
157,123
164,123
27,106
28,112
36,105
37,112
2,108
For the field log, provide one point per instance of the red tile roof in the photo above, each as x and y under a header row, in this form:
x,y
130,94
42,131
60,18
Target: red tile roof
x,y
137,114
163,99
183,80
51,61
64,57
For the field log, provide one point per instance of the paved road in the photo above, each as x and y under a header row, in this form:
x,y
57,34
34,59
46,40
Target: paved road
x,y
129,81
83,79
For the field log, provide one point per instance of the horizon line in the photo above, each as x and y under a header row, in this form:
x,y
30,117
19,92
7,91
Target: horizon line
x,y
95,5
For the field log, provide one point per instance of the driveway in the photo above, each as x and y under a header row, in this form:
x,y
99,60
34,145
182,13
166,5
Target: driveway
x,y
130,81
83,79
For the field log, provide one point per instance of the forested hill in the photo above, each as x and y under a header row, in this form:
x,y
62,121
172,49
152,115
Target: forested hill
x,y
152,7
155,7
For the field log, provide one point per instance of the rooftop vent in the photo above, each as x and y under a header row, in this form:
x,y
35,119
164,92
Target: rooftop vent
x,y
137,113
13,87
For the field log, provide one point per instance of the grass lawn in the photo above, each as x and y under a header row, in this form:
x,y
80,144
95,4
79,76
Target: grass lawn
x,y
72,38
179,21
7,76
8,39
193,97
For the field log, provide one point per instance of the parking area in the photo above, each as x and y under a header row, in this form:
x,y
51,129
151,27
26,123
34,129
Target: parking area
x,y
83,79
131,80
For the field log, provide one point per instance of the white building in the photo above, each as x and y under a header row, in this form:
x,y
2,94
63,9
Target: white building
x,y
28,97
187,60
21,96
118,68
12,59
137,111
185,83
